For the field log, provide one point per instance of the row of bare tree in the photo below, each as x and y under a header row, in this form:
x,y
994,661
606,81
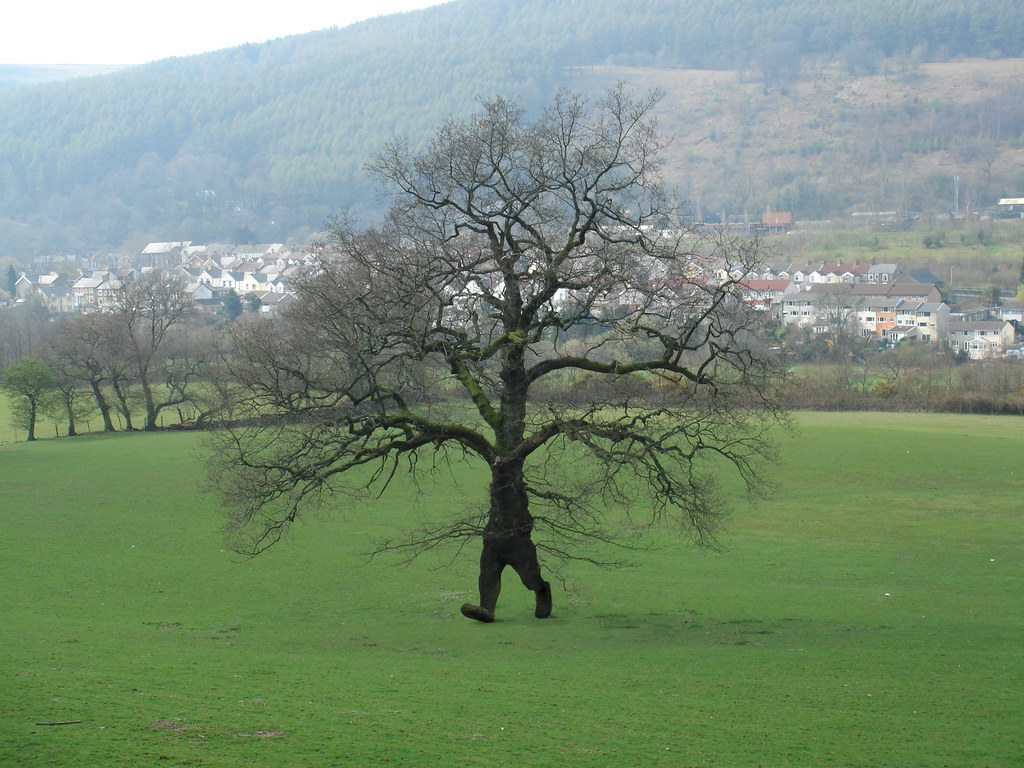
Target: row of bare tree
x,y
144,353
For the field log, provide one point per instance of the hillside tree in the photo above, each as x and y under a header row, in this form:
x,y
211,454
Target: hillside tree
x,y
516,307
32,390
10,279
231,305
70,398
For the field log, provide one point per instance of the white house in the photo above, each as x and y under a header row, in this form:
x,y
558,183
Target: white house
x,y
1010,310
883,274
765,294
980,339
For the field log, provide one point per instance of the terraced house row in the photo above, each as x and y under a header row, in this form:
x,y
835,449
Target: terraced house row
x,y
890,313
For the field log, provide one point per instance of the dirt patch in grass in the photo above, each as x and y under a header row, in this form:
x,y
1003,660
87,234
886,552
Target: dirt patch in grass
x,y
271,734
177,726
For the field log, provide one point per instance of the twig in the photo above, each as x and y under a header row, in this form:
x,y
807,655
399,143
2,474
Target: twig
x,y
62,722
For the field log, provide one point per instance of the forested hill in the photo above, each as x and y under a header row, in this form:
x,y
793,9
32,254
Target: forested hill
x,y
264,141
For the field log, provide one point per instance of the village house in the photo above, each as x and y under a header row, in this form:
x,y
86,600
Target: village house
x,y
874,316
777,222
55,290
930,319
890,312
877,274
255,251
206,297
162,255
1011,207
99,290
246,282
24,287
1013,311
277,283
981,339
838,273
271,304
84,293
800,308
919,291
766,294
52,290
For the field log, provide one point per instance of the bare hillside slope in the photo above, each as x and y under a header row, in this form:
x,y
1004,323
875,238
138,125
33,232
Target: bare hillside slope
x,y
830,143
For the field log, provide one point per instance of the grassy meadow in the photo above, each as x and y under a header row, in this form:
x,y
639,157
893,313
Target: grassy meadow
x,y
867,614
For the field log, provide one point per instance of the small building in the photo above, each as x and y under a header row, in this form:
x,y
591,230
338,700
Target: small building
x,y
1012,311
932,321
777,222
272,303
901,333
765,294
1011,207
163,255
980,339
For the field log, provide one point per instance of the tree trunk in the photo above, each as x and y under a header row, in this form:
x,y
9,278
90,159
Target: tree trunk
x,y
125,410
507,542
103,405
507,535
151,409
31,420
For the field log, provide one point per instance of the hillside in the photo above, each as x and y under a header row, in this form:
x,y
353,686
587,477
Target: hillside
x,y
20,75
770,100
832,143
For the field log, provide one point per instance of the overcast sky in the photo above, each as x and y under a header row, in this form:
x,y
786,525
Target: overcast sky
x,y
135,31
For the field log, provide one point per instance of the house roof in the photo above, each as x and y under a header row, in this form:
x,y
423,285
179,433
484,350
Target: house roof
x,y
154,248
764,285
968,326
876,303
925,276
275,298
911,289
839,268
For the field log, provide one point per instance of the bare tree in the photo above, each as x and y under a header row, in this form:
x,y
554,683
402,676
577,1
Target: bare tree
x,y
838,311
81,346
68,380
516,307
121,384
20,330
149,312
184,363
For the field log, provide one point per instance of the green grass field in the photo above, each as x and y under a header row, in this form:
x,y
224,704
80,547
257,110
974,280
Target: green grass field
x,y
868,614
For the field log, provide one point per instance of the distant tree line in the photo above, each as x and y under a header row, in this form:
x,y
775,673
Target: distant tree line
x,y
154,355
146,355
907,377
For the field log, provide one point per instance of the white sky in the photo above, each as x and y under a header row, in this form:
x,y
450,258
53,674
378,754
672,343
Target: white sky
x,y
135,31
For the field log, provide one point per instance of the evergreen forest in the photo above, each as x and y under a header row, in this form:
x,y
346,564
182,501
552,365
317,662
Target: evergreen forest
x,y
263,142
